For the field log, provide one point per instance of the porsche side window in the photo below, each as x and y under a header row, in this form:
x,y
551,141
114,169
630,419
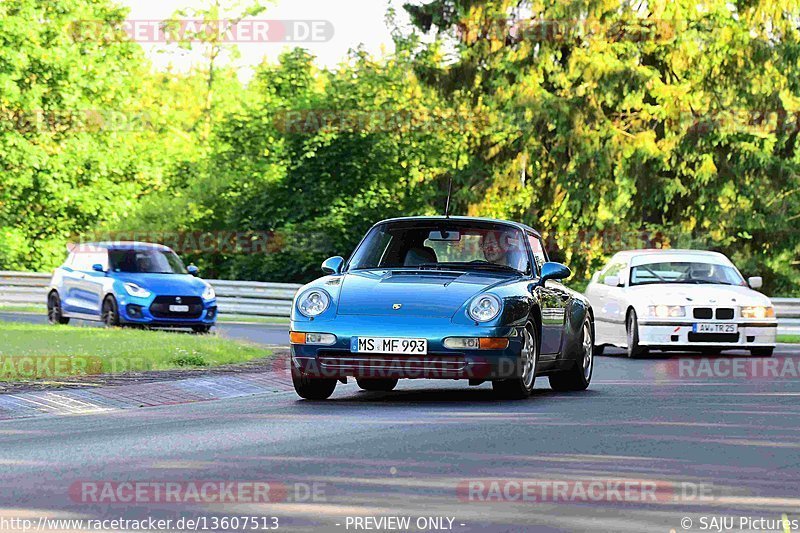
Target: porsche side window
x,y
538,252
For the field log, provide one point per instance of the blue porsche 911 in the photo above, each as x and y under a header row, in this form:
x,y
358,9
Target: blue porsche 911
x,y
442,298
130,283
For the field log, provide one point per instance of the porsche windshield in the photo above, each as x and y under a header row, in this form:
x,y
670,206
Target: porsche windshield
x,y
685,272
444,245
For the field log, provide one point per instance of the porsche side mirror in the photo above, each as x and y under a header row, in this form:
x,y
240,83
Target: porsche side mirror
x,y
333,265
756,282
97,267
611,281
193,270
554,271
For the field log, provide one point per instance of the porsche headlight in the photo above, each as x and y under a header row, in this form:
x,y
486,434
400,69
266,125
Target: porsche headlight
x,y
135,290
209,293
485,307
667,311
758,311
313,302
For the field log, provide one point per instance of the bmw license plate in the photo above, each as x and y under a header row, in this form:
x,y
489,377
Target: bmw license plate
x,y
715,328
388,345
179,308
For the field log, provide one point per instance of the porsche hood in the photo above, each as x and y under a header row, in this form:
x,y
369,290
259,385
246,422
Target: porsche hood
x,y
411,293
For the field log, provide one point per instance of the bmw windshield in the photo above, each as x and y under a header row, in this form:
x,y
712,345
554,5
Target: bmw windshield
x,y
685,272
443,245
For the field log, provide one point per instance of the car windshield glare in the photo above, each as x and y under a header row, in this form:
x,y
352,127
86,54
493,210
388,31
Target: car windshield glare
x,y
445,245
685,272
146,262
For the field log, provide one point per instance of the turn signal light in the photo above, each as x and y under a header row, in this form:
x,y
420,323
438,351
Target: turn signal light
x,y
325,339
476,343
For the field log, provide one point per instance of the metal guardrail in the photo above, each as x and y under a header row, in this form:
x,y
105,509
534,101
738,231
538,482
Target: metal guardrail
x,y
250,298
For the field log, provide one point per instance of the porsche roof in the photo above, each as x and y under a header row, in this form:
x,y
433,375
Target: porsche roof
x,y
519,225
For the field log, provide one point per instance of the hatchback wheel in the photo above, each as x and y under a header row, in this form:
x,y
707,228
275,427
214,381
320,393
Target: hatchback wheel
x,y
110,312
55,315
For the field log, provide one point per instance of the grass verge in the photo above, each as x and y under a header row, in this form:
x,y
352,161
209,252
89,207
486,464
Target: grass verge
x,y
789,339
30,351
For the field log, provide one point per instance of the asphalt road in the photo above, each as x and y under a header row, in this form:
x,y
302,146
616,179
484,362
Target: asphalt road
x,y
714,439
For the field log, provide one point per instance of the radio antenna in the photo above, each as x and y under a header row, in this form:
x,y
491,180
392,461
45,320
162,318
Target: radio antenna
x,y
449,192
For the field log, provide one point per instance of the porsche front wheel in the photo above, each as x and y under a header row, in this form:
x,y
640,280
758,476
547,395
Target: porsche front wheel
x,y
312,388
520,387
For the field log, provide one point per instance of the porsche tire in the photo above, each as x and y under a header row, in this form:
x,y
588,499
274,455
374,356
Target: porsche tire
x,y
377,385
580,375
519,388
311,388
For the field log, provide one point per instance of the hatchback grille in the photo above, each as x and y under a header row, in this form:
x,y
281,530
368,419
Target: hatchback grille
x,y
160,306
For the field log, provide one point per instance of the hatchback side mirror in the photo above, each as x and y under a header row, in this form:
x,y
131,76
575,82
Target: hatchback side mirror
x,y
97,267
193,270
756,282
333,265
554,271
611,281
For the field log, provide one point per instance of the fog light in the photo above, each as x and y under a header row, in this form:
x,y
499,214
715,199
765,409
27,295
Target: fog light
x,y
325,339
134,311
758,311
476,343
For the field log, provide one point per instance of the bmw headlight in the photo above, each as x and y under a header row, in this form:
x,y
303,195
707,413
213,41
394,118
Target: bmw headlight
x,y
485,307
135,290
313,302
209,293
758,311
667,311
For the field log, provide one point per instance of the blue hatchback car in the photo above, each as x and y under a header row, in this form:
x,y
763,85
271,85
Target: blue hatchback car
x,y
127,283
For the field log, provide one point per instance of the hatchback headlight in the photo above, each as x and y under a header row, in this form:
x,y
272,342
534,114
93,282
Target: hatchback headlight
x,y
209,293
667,311
135,290
485,307
758,311
313,302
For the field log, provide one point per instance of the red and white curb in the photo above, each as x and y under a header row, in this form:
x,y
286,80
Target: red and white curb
x,y
103,399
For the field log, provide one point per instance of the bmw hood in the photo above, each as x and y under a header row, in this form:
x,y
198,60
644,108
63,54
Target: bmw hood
x,y
697,295
165,284
411,293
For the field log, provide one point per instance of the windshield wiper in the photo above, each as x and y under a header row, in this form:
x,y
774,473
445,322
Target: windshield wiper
x,y
461,265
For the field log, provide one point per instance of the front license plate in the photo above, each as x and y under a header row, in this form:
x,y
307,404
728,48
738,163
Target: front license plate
x,y
389,345
715,328
179,308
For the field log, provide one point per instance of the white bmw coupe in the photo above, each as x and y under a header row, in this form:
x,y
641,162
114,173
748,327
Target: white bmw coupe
x,y
679,299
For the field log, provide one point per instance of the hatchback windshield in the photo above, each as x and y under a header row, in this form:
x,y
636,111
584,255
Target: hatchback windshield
x,y
443,245
685,272
146,262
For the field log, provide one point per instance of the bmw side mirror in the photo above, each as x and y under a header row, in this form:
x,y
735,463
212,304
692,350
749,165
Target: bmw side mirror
x,y
333,265
97,267
554,271
611,281
756,282
193,270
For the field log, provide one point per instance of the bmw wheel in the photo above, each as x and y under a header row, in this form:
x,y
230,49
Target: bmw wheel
x,y
579,377
632,330
521,387
110,312
55,315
